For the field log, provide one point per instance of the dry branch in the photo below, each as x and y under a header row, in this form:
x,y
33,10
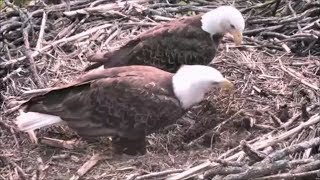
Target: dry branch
x,y
294,118
266,162
258,171
292,149
41,32
158,174
55,43
289,175
221,170
253,154
302,80
11,74
192,171
21,172
59,143
307,167
103,8
87,166
55,38
269,142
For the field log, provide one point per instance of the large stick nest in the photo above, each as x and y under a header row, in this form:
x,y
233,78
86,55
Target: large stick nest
x,y
267,129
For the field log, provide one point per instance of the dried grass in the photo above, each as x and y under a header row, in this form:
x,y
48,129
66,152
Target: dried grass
x,y
272,93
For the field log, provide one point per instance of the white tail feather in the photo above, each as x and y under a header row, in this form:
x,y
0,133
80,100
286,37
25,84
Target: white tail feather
x,y
32,120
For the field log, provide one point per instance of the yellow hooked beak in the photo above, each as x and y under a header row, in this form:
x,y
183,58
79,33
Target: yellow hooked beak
x,y
237,37
226,85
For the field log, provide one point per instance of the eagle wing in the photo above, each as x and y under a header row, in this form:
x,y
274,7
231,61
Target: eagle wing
x,y
165,46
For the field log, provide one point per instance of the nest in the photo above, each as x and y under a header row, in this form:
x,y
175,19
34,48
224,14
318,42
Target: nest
x,y
266,129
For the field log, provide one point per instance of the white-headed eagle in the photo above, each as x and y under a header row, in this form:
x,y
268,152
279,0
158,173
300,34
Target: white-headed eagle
x,y
126,103
189,40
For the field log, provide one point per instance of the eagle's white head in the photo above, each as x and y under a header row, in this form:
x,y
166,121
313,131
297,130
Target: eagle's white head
x,y
192,82
222,20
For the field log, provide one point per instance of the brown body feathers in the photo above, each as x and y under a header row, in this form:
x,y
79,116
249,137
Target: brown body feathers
x,y
166,46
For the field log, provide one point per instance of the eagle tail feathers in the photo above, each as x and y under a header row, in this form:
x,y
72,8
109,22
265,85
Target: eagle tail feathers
x,y
33,120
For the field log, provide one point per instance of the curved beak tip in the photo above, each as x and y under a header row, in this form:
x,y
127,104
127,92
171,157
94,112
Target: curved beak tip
x,y
237,37
227,85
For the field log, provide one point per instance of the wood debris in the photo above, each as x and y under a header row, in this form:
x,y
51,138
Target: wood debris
x,y
267,129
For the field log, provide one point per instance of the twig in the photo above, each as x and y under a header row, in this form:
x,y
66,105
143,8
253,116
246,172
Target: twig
x,y
228,163
11,74
221,170
87,166
274,34
259,30
307,167
40,169
259,5
187,8
313,120
41,32
25,34
113,35
289,175
66,30
63,6
35,75
132,176
95,3
103,8
310,25
59,143
231,151
274,11
22,174
303,81
298,162
11,129
253,154
77,26
269,142
300,16
285,47
14,7
294,15
258,171
292,149
294,118
275,119
215,129
192,171
310,46
55,43
260,91
7,126
220,125
156,175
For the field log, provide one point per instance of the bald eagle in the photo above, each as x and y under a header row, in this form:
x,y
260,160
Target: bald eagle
x,y
125,103
191,40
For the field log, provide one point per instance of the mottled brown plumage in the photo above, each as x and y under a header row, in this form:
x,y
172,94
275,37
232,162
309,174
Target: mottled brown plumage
x,y
126,103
